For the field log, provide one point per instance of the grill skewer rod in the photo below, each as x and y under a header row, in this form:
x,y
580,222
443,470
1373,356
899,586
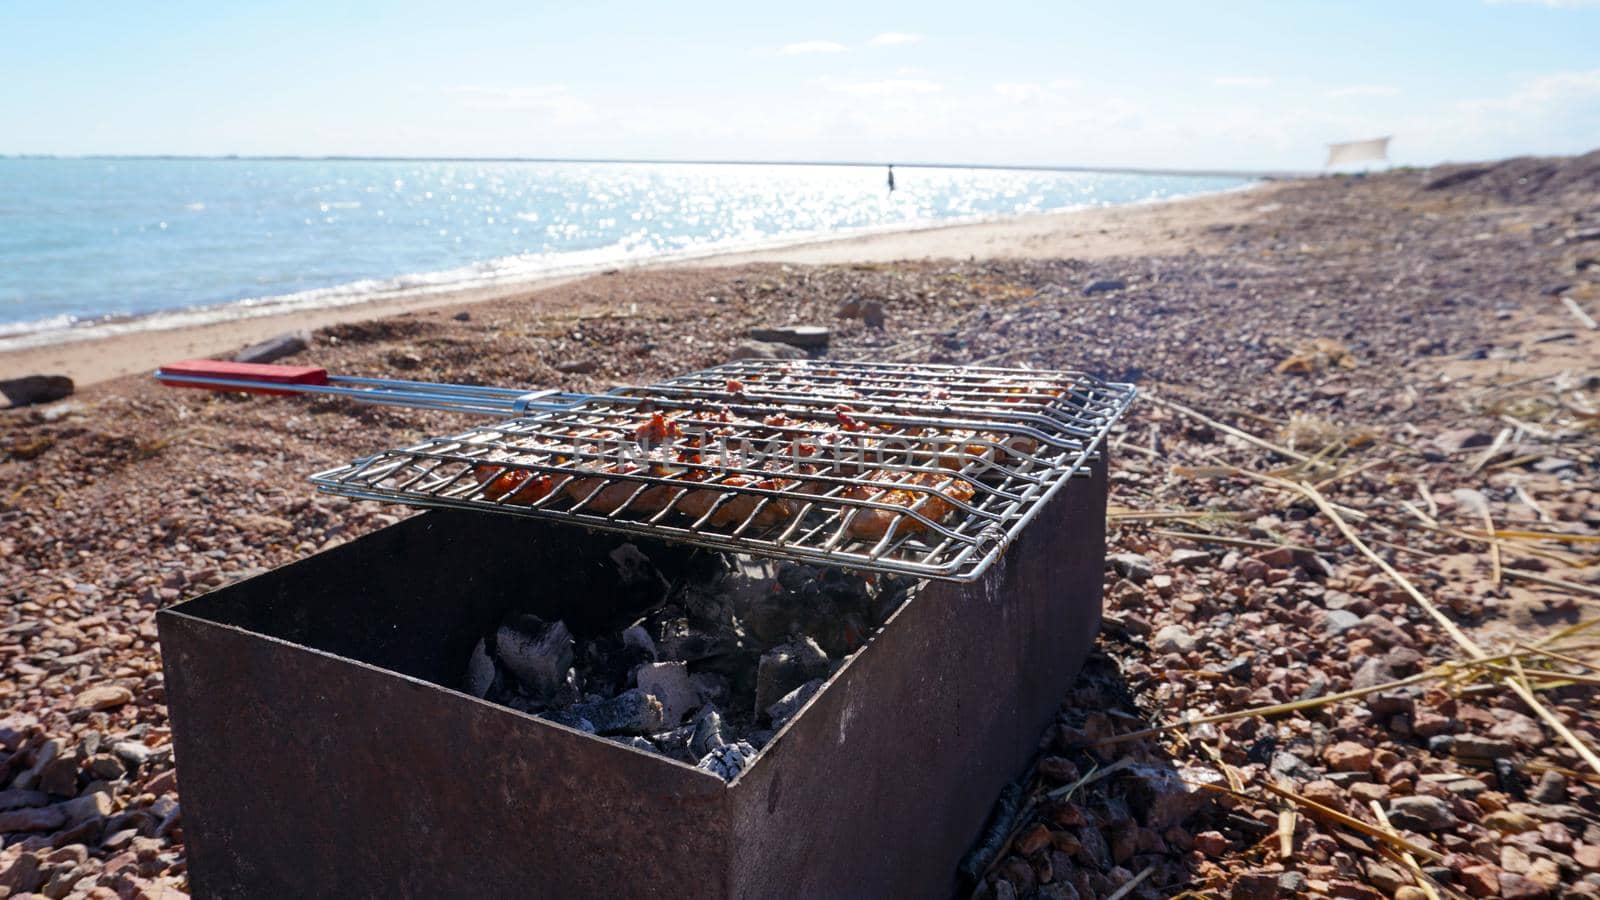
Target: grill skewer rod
x,y
259,378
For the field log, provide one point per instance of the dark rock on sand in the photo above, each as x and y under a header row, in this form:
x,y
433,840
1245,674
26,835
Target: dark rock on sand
x,y
34,389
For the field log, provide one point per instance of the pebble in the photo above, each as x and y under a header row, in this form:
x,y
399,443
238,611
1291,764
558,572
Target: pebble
x,y
101,697
1422,813
1172,639
807,336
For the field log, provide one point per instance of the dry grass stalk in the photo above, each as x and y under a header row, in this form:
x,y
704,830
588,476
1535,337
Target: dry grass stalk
x,y
1492,451
1494,545
1286,820
1228,429
1518,686
1448,670
1132,883
1328,813
1227,541
1554,582
1417,875
1583,318
1570,660
1524,690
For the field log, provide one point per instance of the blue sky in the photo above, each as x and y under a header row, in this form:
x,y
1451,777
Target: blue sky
x,y
1240,84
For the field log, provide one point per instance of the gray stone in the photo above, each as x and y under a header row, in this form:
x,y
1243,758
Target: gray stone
x,y
1172,639
1162,796
1132,566
273,349
1373,672
42,757
1338,621
1189,559
727,762
18,799
669,683
1383,631
765,350
808,336
537,652
1457,439
1552,788
872,314
33,389
33,818
1422,813
1103,285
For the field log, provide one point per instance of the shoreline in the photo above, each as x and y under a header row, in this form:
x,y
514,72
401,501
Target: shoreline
x,y
100,351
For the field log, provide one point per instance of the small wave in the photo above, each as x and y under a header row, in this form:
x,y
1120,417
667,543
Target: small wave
x,y
523,268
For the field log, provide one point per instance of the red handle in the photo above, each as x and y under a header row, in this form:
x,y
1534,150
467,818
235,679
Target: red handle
x,y
237,371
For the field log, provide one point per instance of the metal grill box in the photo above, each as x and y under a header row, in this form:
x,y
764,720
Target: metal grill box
x,y
325,750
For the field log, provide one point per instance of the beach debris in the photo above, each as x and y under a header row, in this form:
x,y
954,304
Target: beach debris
x,y
765,350
274,348
1316,355
31,390
810,337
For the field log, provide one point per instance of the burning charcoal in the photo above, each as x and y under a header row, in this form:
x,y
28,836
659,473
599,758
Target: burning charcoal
x,y
676,744
708,733
638,638
786,667
669,683
480,671
631,712
727,762
784,709
539,653
571,720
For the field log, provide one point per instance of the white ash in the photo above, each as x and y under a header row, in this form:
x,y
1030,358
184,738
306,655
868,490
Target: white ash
x,y
728,761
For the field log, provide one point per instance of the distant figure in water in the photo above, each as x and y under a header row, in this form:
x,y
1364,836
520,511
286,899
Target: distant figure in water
x,y
891,178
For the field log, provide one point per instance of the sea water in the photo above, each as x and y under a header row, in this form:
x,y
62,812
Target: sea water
x,y
134,241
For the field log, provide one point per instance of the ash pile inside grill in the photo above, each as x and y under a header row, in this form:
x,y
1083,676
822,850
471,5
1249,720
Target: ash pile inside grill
x,y
724,655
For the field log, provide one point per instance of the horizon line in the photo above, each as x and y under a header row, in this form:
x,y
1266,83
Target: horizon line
x,y
1012,167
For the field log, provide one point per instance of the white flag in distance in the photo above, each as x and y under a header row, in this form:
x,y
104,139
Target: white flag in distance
x,y
1357,151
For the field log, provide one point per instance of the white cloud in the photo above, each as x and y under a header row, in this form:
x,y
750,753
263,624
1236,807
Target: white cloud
x,y
1247,81
1035,91
881,87
803,47
895,39
1363,90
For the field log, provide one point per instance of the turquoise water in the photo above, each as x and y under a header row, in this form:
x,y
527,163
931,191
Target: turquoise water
x,y
89,239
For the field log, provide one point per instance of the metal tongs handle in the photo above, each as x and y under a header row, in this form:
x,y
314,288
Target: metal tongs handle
x,y
259,378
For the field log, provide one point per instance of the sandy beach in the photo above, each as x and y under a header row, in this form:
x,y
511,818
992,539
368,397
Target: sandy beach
x,y
1364,459
1176,226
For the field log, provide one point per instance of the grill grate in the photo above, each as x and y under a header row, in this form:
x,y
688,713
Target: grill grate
x,y
918,470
